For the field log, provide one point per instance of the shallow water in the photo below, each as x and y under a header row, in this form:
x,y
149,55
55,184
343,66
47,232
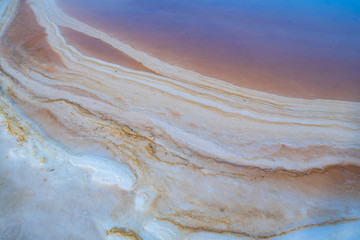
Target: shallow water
x,y
294,48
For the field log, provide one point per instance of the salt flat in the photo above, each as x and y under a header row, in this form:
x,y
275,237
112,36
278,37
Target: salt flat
x,y
93,149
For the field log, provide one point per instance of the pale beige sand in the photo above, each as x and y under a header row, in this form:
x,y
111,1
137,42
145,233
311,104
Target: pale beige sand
x,y
201,155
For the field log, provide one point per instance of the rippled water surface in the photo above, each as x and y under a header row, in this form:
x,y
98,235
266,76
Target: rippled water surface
x,y
294,48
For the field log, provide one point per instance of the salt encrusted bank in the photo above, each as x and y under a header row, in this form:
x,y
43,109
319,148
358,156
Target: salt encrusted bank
x,y
94,150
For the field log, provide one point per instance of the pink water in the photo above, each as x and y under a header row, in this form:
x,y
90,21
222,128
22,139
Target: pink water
x,y
307,49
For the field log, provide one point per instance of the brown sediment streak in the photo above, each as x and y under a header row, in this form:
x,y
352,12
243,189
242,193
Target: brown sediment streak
x,y
242,234
78,106
244,168
292,173
100,50
124,232
150,148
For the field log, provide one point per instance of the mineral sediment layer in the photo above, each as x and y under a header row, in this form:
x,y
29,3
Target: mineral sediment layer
x,y
130,147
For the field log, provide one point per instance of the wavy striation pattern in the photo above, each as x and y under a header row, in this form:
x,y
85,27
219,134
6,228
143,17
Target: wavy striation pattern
x,y
170,153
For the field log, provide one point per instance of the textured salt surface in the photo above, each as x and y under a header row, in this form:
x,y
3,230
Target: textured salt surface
x,y
96,150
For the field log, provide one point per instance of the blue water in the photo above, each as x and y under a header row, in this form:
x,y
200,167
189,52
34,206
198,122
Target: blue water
x,y
298,48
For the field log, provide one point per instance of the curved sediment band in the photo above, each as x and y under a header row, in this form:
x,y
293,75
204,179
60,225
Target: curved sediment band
x,y
207,155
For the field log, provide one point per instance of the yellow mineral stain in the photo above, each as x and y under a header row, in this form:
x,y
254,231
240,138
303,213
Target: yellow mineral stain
x,y
124,232
43,160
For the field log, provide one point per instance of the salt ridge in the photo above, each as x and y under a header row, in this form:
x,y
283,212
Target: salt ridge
x,y
172,155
